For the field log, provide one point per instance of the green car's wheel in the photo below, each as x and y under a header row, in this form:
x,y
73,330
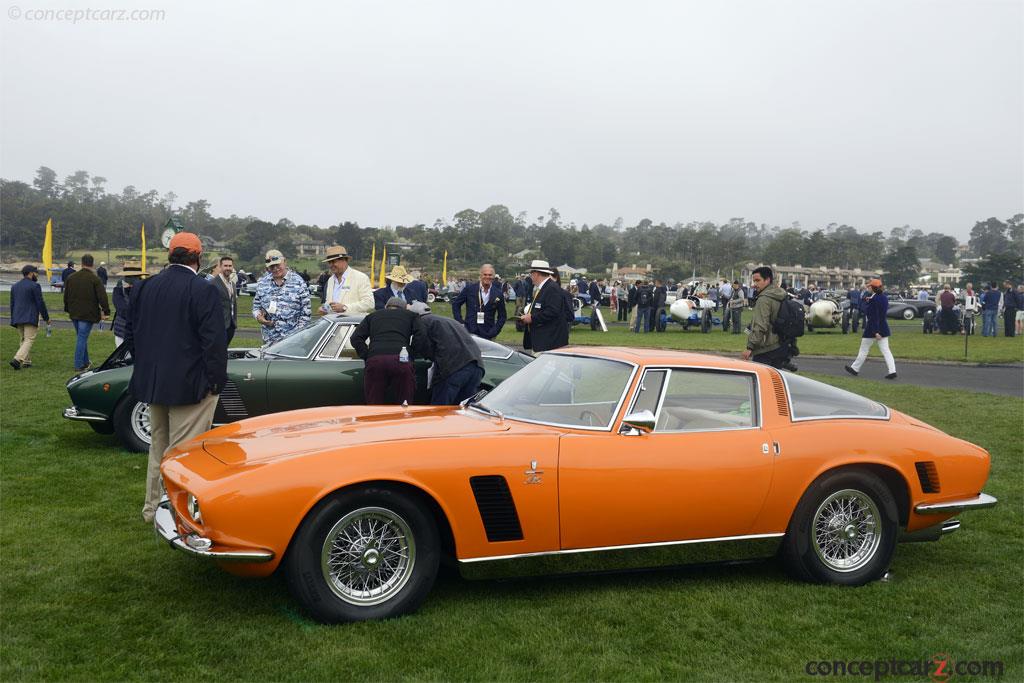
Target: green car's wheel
x,y
365,554
843,530
131,424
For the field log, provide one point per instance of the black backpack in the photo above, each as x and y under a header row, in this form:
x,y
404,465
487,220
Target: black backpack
x,y
789,323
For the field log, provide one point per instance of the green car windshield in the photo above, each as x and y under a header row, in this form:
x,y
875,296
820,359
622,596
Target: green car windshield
x,y
562,390
300,344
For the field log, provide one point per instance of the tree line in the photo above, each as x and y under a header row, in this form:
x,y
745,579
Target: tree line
x,y
87,215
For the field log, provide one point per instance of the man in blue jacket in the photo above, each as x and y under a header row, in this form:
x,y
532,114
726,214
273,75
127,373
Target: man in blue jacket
x,y
485,305
989,310
27,306
177,338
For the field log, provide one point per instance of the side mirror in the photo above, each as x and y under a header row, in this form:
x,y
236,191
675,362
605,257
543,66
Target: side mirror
x,y
638,423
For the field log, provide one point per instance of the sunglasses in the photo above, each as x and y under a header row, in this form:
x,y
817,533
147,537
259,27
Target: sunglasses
x,y
271,265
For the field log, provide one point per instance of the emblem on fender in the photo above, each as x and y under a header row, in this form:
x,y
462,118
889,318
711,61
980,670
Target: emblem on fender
x,y
533,474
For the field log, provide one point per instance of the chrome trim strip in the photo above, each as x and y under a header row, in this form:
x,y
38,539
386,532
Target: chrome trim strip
x,y
72,414
163,525
632,546
950,525
979,502
789,400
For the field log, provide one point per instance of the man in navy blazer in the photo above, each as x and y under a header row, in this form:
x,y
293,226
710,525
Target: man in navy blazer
x,y
27,306
397,285
177,339
485,305
416,290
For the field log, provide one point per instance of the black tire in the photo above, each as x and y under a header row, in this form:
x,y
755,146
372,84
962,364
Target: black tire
x,y
705,322
124,414
806,553
406,518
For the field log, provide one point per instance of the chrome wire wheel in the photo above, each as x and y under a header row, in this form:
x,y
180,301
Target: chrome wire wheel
x,y
368,556
846,530
139,420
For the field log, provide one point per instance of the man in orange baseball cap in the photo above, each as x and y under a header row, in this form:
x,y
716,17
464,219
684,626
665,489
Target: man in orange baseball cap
x,y
177,338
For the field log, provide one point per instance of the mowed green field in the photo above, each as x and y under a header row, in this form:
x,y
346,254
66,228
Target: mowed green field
x,y
88,593
907,341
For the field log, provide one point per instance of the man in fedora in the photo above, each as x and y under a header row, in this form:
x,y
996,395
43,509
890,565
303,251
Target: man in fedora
x,y
347,290
281,304
485,305
395,286
131,274
545,319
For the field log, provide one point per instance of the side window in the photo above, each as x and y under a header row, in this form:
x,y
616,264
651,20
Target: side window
x,y
334,344
698,400
650,391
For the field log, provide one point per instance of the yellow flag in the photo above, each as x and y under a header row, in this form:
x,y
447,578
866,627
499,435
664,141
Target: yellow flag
x,y
48,248
383,263
373,261
143,247
444,270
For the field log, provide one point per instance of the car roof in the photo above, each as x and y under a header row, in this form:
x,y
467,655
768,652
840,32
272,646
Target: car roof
x,y
642,356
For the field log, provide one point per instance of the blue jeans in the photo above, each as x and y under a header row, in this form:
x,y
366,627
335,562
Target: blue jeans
x,y
643,319
458,386
988,323
82,329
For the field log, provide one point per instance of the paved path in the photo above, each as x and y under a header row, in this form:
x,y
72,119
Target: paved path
x,y
1007,380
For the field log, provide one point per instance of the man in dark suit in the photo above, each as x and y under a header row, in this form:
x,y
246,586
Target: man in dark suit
x,y
396,286
67,272
176,336
27,306
222,279
545,317
485,305
416,290
596,291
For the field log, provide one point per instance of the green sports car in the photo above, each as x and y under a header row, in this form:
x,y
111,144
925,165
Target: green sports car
x,y
314,366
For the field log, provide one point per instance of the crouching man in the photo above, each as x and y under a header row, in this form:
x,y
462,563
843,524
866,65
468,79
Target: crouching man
x,y
458,366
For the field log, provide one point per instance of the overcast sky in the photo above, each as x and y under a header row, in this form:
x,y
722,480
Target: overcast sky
x,y
870,113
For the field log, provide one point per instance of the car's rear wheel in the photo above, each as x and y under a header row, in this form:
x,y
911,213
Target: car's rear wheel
x,y
843,530
131,424
366,554
908,314
431,297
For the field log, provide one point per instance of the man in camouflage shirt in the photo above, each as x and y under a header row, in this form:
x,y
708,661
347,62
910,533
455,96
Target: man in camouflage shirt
x,y
281,304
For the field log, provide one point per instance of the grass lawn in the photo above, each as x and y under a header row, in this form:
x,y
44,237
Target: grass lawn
x,y
907,342
88,593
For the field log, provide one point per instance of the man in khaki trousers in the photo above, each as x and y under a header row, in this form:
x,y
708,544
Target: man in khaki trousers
x,y
27,306
176,336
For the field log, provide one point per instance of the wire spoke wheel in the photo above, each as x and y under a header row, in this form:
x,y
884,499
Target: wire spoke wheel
x,y
846,531
368,556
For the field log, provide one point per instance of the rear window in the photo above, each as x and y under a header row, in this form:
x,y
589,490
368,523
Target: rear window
x,y
809,399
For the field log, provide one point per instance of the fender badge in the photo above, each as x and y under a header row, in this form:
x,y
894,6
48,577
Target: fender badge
x,y
533,474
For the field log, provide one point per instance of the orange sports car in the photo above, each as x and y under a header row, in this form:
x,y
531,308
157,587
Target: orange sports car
x,y
584,459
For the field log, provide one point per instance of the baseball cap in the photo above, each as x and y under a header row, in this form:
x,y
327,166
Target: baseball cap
x,y
188,240
25,270
874,282
274,257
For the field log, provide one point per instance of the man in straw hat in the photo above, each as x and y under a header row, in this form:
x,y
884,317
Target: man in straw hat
x,y
131,274
175,334
545,317
347,290
395,281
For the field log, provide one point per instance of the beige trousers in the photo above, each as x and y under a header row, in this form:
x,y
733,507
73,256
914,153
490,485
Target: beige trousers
x,y
28,338
170,426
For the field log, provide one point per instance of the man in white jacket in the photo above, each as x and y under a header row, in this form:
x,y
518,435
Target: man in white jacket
x,y
347,290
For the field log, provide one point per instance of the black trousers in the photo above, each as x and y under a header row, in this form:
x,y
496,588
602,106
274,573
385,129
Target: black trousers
x,y
1009,321
776,358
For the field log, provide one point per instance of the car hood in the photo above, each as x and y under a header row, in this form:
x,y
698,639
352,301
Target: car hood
x,y
301,432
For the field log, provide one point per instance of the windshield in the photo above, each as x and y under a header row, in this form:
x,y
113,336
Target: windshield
x,y
570,391
810,399
299,344
489,349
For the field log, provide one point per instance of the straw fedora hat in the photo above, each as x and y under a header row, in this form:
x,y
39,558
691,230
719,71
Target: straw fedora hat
x,y
398,274
541,267
133,268
336,252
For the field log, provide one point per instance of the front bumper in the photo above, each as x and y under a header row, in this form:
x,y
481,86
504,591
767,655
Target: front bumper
x,y
196,545
73,413
979,502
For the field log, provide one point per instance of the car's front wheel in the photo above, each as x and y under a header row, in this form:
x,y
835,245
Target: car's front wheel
x,y
908,314
843,530
131,424
371,553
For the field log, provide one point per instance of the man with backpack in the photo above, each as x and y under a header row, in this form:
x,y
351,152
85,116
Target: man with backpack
x,y
644,307
772,315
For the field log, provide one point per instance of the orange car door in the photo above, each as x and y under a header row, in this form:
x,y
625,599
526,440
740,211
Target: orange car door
x,y
704,471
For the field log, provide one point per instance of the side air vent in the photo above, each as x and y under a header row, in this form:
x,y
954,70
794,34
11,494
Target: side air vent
x,y
780,394
929,476
230,406
497,509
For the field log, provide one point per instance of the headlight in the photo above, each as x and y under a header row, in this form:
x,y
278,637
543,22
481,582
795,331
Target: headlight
x,y
193,509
